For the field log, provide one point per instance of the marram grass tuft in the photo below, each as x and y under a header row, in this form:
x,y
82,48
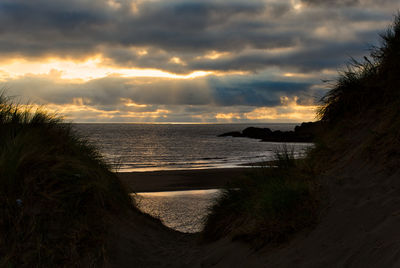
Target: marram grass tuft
x,y
55,192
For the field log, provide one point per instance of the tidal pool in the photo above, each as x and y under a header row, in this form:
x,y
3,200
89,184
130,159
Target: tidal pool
x,y
183,211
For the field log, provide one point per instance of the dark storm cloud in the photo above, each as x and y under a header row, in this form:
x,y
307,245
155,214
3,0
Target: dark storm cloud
x,y
40,27
349,3
317,56
202,26
332,2
182,29
54,26
255,93
262,39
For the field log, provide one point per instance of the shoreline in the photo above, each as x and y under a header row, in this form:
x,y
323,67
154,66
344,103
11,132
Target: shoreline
x,y
179,180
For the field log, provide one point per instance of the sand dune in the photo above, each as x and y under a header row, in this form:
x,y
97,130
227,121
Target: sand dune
x,y
358,227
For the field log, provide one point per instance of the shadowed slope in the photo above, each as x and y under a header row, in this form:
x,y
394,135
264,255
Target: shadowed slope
x,y
358,160
360,155
55,192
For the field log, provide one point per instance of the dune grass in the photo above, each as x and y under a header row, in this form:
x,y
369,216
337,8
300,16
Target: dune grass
x,y
363,104
55,192
360,114
368,84
269,205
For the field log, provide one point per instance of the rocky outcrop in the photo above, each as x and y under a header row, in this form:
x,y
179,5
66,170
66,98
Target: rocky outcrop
x,y
303,133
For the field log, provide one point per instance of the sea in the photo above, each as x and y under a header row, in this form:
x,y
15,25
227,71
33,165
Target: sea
x,y
151,147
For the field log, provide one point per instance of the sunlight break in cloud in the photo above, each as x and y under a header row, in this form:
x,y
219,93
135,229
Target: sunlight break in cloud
x,y
180,60
288,110
89,69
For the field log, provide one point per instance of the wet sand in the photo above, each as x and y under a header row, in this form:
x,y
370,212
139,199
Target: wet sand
x,y
175,180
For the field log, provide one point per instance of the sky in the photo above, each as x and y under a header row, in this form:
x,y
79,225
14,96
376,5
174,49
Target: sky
x,y
203,61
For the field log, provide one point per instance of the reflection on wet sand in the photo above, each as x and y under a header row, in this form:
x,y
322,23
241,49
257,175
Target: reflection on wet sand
x,y
183,211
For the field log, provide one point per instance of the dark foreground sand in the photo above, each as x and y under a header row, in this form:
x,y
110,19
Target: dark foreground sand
x,y
358,226
174,180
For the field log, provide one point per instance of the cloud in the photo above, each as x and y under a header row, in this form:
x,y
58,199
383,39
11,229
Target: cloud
x,y
352,3
332,2
118,98
110,91
252,54
252,33
259,93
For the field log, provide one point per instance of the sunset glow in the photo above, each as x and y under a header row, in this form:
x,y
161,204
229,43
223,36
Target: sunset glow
x,y
83,70
182,61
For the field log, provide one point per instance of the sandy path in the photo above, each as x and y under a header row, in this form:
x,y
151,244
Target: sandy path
x,y
359,227
173,180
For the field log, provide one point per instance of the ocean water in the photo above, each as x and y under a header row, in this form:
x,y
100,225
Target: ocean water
x,y
149,147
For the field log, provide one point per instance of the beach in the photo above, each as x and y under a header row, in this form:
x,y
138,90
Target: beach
x,y
178,180
200,134
357,225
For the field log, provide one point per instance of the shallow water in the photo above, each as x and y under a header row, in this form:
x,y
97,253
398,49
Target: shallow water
x,y
183,211
149,147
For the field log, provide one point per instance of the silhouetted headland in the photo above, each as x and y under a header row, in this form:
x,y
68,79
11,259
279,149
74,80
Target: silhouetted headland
x,y
306,132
